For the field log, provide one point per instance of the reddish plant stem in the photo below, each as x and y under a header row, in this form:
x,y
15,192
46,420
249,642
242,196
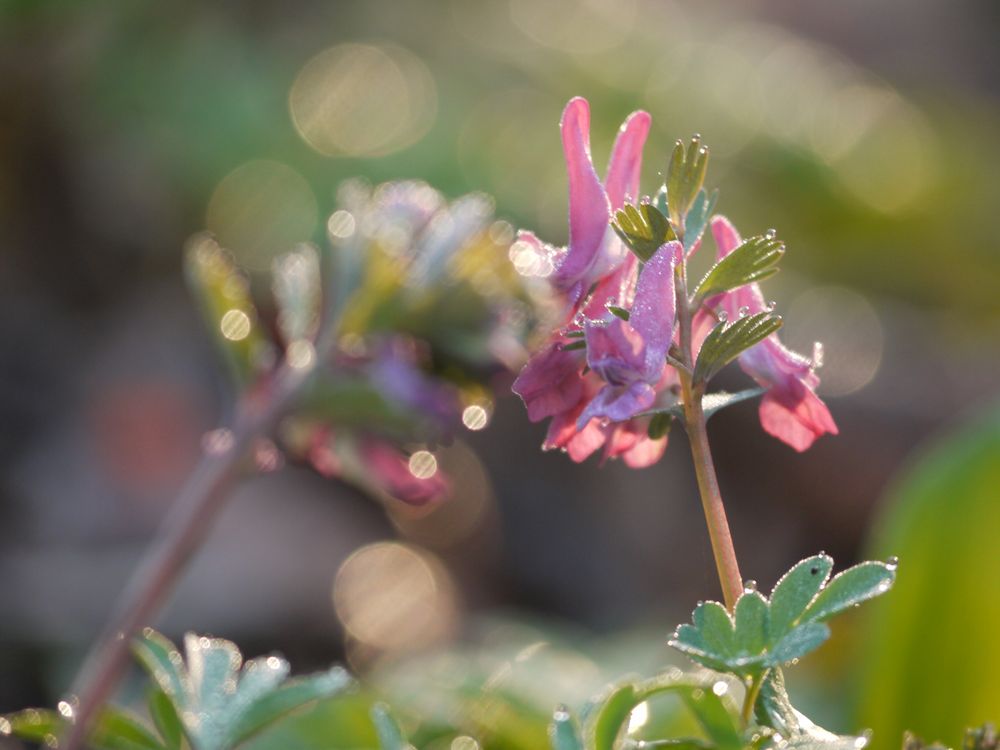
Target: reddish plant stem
x,y
180,536
695,424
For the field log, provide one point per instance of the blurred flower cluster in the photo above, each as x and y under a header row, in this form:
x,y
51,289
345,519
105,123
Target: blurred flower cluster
x,y
402,318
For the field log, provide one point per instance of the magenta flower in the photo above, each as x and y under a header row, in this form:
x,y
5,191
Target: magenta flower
x,y
790,410
552,383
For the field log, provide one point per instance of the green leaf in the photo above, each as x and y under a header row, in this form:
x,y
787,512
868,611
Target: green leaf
x,y
751,618
659,425
754,260
643,229
291,696
853,586
119,730
605,724
619,312
798,642
165,718
390,735
32,724
795,591
718,721
685,176
727,341
574,346
688,640
715,402
716,628
563,732
162,661
697,218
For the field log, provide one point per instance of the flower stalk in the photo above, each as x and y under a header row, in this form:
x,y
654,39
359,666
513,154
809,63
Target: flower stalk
x,y
180,536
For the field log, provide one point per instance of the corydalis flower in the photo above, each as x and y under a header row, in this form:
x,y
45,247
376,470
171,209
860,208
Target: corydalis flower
x,y
790,410
593,268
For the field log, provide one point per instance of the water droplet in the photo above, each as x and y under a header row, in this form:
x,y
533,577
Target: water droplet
x,y
65,710
744,311
5,727
215,443
720,688
771,234
51,740
892,563
267,457
561,713
340,225
771,306
723,316
749,586
579,319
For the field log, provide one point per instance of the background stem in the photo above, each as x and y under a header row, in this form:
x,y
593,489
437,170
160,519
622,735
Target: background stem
x,y
181,534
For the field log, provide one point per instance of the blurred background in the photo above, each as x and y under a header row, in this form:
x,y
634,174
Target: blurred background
x,y
867,133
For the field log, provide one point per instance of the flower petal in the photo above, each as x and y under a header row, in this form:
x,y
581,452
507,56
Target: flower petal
x,y
550,382
618,403
622,181
795,415
588,203
654,307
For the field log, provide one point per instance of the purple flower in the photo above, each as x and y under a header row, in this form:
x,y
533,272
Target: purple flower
x,y
630,357
790,410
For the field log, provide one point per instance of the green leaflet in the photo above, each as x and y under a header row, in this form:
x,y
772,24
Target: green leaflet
x,y
754,260
642,228
767,633
727,341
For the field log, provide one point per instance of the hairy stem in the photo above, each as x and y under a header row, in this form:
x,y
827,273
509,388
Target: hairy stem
x,y
708,484
184,529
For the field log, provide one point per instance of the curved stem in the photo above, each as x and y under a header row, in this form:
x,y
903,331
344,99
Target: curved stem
x,y
750,699
181,534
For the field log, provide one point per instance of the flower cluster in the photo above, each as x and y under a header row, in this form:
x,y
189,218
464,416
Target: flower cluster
x,y
393,368
608,368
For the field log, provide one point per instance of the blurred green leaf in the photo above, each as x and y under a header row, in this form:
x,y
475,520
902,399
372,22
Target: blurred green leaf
x,y
297,287
115,729
715,402
164,715
754,260
930,654
563,731
390,735
727,341
643,229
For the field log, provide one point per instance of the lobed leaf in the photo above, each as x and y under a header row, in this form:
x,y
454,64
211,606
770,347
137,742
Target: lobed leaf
x,y
644,229
697,218
795,590
798,642
685,176
853,586
727,341
754,260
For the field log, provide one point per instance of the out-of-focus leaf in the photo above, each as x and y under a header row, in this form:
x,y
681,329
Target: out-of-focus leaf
x,y
223,293
685,176
114,730
563,731
774,710
164,715
715,402
642,228
390,735
939,627
727,341
754,260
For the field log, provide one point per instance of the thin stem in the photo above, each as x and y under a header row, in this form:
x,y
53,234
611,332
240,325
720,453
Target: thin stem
x,y
180,536
708,484
750,699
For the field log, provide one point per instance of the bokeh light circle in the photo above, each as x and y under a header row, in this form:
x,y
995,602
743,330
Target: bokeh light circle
x,y
260,210
363,100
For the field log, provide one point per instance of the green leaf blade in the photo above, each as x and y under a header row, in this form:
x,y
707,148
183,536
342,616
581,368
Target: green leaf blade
x,y
727,341
751,623
753,261
794,591
390,734
798,642
853,586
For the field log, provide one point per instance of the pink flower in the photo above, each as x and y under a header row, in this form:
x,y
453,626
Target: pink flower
x,y
552,383
790,410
